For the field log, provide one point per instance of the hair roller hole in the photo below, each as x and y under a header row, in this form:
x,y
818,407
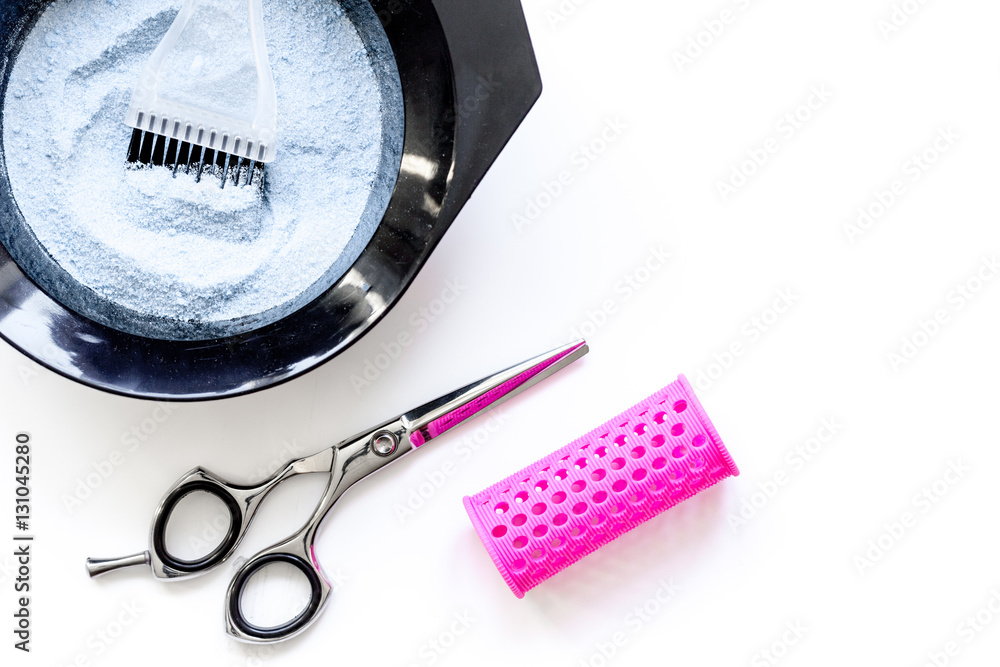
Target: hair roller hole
x,y
501,508
499,531
521,497
677,429
541,486
580,464
660,417
558,497
639,474
578,486
660,463
600,497
519,520
520,542
561,475
638,452
679,452
598,474
619,486
540,531
699,440
559,520
657,441
579,508
640,429
601,452
539,508
680,406
621,440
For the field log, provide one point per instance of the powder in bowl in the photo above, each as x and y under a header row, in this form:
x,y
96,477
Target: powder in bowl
x,y
167,257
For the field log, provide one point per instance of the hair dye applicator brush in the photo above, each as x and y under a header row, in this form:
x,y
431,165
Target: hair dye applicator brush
x,y
205,102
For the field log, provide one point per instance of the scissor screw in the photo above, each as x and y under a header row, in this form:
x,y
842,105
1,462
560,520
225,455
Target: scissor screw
x,y
384,443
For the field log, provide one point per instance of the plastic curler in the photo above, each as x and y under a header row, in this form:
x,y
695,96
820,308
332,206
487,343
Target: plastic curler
x,y
644,461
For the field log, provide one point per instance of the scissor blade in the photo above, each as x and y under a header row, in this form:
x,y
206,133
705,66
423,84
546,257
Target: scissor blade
x,y
431,420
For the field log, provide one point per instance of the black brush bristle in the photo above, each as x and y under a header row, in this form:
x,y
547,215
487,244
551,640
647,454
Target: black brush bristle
x,y
147,149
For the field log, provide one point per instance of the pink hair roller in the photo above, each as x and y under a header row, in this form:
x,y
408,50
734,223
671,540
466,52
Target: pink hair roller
x,y
553,513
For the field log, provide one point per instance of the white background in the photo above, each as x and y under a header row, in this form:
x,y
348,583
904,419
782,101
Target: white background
x,y
795,558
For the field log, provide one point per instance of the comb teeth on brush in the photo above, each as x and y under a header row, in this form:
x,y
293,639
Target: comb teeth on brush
x,y
644,461
205,103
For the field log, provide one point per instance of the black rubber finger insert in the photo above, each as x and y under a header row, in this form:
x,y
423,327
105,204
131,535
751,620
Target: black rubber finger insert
x,y
286,629
217,555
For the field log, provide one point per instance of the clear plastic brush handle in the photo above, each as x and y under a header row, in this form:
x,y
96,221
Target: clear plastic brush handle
x,y
209,82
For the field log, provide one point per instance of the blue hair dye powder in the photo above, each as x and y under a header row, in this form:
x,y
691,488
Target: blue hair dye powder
x,y
170,258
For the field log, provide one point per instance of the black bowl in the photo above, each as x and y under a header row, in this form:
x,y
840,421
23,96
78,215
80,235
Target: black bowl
x,y
469,77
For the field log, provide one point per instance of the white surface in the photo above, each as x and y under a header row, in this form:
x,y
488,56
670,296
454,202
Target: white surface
x,y
655,187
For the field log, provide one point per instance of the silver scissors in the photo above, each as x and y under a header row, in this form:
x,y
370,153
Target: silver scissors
x,y
346,464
